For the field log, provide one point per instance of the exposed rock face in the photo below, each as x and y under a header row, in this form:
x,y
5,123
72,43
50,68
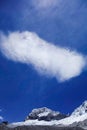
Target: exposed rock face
x,y
82,124
2,127
45,114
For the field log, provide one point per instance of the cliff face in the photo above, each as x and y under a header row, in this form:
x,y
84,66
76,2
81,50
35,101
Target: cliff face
x,y
3,127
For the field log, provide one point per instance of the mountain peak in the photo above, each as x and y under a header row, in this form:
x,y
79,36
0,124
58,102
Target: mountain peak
x,y
85,103
44,113
82,109
41,110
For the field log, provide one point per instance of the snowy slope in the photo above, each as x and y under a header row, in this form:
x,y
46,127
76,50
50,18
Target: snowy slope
x,y
63,122
72,119
79,114
82,109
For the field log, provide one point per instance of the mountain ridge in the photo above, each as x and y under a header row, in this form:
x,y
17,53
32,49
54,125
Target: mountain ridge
x,y
45,119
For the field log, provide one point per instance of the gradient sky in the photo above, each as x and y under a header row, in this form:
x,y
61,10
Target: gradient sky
x,y
59,23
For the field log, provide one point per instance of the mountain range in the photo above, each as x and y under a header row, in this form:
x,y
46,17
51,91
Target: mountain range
x,y
47,119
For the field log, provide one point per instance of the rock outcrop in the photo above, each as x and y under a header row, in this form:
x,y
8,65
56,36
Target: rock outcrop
x,y
45,114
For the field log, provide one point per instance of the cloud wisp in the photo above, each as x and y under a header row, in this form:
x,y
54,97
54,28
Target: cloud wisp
x,y
48,59
44,4
1,118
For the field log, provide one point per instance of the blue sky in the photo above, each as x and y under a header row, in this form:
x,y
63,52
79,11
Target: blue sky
x,y
43,48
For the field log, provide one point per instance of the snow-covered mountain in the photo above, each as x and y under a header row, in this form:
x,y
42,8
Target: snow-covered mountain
x,y
47,117
45,114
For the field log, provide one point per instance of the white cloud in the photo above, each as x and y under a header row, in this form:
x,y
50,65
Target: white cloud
x,y
46,58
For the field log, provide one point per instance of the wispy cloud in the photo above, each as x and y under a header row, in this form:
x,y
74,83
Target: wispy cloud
x,y
46,58
45,6
45,3
1,118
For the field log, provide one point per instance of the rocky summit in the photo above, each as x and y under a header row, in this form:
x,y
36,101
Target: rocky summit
x,y
45,114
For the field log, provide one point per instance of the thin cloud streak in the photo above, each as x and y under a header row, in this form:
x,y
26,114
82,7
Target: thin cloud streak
x,y
45,4
48,59
45,7
1,118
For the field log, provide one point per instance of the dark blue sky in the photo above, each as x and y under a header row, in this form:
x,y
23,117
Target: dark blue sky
x,y
21,87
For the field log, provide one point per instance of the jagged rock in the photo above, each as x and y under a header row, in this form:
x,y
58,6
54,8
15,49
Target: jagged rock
x,y
5,123
82,124
45,114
